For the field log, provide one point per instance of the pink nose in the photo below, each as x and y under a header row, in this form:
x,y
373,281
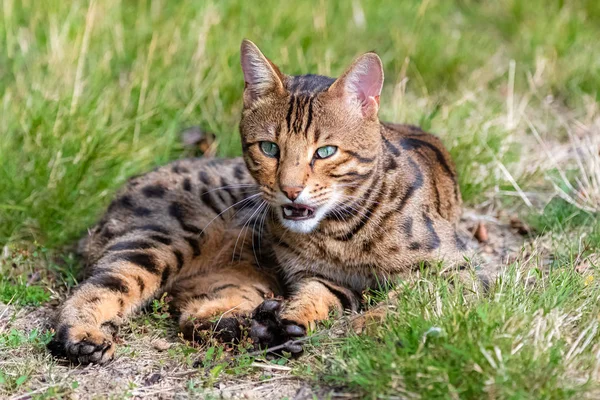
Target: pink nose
x,y
292,192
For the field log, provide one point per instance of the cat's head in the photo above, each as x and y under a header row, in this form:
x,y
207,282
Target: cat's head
x,y
311,142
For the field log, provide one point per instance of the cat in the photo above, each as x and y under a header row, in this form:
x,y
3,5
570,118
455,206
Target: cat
x,y
326,202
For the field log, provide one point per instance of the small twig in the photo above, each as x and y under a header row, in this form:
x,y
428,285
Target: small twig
x,y
271,366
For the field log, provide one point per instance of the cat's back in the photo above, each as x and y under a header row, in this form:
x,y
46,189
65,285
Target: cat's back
x,y
432,157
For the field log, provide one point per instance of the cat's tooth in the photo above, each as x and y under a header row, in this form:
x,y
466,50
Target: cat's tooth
x,y
287,212
305,212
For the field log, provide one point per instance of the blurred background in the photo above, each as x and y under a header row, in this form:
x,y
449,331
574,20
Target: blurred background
x,y
94,92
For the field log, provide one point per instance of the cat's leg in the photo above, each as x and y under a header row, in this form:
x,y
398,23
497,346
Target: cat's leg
x,y
219,302
313,299
132,269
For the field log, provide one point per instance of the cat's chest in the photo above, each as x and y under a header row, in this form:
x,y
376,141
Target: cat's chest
x,y
357,263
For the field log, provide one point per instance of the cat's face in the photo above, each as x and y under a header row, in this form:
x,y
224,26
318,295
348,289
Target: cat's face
x,y
310,142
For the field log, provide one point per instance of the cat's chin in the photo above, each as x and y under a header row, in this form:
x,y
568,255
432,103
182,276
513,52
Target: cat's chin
x,y
302,226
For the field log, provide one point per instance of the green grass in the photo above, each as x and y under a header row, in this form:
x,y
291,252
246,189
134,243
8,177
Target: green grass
x,y
92,93
535,340
82,112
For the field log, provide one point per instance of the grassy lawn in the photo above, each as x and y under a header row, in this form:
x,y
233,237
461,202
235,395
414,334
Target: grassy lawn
x,y
94,92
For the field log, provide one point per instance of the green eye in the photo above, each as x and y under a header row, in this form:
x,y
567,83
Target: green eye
x,y
269,148
325,151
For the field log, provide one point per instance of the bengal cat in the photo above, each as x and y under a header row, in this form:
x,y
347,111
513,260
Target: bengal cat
x,y
326,202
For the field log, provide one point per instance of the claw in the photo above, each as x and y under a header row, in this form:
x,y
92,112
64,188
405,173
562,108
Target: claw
x,y
268,329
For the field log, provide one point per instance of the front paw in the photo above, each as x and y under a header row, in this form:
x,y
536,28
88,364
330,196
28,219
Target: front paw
x,y
82,345
268,329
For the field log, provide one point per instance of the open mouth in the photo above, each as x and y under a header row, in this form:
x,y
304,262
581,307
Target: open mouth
x,y
297,212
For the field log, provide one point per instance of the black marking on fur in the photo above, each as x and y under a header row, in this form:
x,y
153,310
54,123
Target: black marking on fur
x,y
124,201
359,158
308,84
131,245
223,287
302,100
239,172
416,185
202,296
204,177
414,246
407,226
363,221
110,282
142,211
434,239
391,148
348,302
187,185
179,257
156,191
177,211
161,239
220,196
310,114
140,283
143,260
317,134
193,242
226,187
288,117
165,276
414,143
153,228
355,175
390,164
438,205
209,201
373,205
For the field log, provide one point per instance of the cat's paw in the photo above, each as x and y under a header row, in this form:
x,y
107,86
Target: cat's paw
x,y
82,345
268,329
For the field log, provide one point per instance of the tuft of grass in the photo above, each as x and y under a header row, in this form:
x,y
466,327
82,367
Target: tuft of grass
x,y
527,338
22,294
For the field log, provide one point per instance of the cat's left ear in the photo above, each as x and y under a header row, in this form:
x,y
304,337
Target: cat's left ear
x,y
361,84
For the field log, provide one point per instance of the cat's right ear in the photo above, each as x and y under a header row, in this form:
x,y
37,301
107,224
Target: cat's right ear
x,y
261,76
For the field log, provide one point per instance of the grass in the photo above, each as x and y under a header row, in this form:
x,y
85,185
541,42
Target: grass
x,y
520,340
94,92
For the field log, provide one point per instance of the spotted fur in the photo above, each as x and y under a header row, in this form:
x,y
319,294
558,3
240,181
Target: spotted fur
x,y
212,232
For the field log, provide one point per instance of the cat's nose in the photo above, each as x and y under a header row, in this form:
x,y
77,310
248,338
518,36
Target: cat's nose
x,y
292,192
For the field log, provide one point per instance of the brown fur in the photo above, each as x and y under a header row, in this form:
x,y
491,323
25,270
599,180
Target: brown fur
x,y
389,196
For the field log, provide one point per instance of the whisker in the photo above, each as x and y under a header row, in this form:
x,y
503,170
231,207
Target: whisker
x,y
259,231
238,186
243,230
233,205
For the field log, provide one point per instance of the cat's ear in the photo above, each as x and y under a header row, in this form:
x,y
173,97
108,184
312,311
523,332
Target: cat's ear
x,y
261,76
360,86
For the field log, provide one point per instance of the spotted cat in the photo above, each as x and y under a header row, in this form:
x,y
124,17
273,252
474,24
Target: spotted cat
x,y
326,202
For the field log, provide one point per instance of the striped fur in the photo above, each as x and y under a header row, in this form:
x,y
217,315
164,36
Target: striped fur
x,y
212,232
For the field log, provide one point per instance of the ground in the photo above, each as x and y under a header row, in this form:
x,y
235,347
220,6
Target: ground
x,y
154,361
94,92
